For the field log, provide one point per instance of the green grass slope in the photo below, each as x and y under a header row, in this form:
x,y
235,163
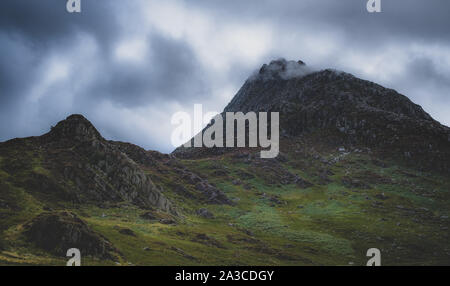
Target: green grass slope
x,y
311,206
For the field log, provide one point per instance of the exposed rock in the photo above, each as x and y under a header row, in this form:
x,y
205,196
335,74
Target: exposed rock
x,y
247,186
96,170
213,195
220,173
126,231
167,221
149,216
354,183
57,232
208,192
207,240
239,239
205,213
236,182
139,155
283,158
181,252
301,182
281,69
245,176
381,196
246,231
275,200
74,128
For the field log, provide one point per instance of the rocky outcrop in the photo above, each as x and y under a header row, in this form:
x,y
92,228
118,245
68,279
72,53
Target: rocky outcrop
x,y
56,232
140,155
74,128
157,161
81,167
208,192
89,169
205,213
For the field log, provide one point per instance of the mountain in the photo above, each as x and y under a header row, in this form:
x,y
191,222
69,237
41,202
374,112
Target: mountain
x,y
360,166
338,108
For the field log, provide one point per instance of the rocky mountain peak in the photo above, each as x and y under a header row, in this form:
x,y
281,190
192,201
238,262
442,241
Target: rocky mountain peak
x,y
309,100
343,110
281,69
290,87
75,127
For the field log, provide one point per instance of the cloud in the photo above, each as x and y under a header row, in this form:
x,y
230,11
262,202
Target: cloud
x,y
160,68
283,69
45,23
129,65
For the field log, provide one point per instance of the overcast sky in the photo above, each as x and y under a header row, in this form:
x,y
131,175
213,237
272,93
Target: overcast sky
x,y
129,65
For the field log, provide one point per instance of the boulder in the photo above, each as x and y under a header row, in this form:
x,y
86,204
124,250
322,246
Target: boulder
x,y
205,213
56,232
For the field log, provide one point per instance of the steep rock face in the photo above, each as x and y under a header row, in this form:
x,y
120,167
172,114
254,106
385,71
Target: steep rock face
x,y
205,191
84,167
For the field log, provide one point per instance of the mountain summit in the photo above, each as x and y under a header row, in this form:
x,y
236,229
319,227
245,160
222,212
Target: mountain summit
x,y
75,127
281,69
343,110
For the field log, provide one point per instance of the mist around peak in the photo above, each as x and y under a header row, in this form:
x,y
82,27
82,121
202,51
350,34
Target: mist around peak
x,y
281,69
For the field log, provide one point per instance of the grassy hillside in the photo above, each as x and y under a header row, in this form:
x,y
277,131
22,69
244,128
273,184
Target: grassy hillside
x,y
311,206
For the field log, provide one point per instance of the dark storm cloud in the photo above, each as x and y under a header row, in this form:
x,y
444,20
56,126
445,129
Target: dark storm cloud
x,y
407,18
53,63
15,61
44,21
33,32
170,71
29,30
423,69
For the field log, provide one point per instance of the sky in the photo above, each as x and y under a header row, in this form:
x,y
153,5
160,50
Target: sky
x,y
128,66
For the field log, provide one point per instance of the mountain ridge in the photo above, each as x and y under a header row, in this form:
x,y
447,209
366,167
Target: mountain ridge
x,y
329,195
